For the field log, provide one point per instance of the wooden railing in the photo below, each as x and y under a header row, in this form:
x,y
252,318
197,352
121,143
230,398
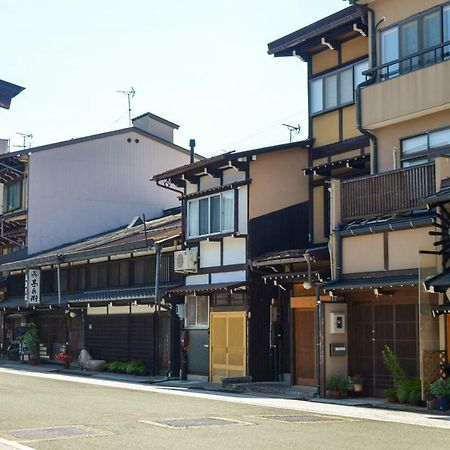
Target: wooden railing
x,y
390,192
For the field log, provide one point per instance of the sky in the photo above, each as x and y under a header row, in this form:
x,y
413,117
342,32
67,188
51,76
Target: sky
x,y
202,64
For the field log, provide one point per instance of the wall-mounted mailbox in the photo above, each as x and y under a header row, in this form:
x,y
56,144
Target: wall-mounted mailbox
x,y
338,349
337,323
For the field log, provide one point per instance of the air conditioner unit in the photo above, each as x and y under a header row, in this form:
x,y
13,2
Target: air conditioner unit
x,y
185,261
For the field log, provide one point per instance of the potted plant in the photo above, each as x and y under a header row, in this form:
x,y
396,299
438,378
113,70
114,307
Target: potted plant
x,y
357,383
391,395
65,359
441,390
31,340
338,385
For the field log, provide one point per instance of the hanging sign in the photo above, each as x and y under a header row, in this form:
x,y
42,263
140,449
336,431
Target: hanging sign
x,y
33,287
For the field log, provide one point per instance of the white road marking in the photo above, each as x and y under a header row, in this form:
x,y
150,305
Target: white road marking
x,y
407,418
7,445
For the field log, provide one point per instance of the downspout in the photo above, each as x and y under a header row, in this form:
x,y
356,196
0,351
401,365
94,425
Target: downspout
x,y
318,341
373,63
157,305
58,278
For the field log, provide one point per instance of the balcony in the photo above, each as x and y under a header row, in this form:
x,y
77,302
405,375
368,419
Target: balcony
x,y
390,192
407,88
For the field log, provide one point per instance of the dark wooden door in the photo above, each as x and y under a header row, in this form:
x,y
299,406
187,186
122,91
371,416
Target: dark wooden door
x,y
373,325
305,347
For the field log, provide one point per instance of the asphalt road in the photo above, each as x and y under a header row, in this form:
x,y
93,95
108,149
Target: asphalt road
x,y
103,417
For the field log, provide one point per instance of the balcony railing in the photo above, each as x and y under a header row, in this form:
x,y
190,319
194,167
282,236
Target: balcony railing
x,y
386,193
410,63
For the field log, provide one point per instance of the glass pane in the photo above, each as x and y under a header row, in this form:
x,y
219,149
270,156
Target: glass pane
x,y
409,44
202,310
330,91
446,21
13,196
346,86
359,68
228,211
316,96
431,36
414,162
203,216
439,138
193,218
190,310
389,52
415,144
214,204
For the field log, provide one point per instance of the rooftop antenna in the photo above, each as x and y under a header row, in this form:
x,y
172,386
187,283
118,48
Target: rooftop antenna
x,y
25,136
292,130
130,95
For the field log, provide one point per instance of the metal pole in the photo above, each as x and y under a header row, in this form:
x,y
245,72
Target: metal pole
x,y
157,305
59,283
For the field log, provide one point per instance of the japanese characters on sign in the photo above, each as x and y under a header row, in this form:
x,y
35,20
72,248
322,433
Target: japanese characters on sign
x,y
33,287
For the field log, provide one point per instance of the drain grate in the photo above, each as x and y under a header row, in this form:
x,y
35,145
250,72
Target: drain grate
x,y
50,433
195,423
303,418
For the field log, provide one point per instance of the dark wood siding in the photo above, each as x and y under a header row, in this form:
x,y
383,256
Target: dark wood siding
x,y
53,332
286,229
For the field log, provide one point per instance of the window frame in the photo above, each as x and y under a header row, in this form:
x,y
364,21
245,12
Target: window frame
x,y
6,191
337,72
196,326
221,215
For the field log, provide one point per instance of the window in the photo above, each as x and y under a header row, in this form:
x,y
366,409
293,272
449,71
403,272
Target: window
x,y
13,196
424,31
336,89
425,147
197,311
211,215
228,299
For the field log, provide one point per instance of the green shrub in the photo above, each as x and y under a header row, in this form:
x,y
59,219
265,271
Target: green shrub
x,y
135,367
410,391
339,383
390,393
440,388
393,365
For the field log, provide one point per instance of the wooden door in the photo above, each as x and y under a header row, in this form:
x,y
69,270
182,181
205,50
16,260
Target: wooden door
x,y
227,345
305,347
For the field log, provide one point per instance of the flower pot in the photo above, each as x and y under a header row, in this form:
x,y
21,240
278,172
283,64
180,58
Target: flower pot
x,y
66,365
358,387
442,403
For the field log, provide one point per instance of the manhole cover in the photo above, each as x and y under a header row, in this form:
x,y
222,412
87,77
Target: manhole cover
x,y
48,433
195,423
303,418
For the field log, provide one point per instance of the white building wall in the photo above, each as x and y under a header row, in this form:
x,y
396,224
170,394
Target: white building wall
x,y
88,187
209,254
234,251
228,277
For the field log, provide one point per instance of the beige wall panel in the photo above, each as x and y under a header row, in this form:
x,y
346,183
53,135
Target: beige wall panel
x,y
404,246
324,60
277,181
326,129
349,129
406,97
363,253
354,49
318,206
335,364
389,137
395,10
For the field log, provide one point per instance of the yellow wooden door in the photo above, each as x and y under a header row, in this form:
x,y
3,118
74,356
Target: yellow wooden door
x,y
227,345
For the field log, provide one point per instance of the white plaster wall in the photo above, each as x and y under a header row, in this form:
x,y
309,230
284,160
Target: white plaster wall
x,y
234,251
88,187
243,210
226,277
232,175
208,182
191,280
190,188
209,254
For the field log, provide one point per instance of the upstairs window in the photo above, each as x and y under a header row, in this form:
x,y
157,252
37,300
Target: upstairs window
x,y
336,89
12,196
197,311
425,147
211,215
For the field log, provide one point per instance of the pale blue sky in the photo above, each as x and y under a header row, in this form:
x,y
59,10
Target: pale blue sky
x,y
202,64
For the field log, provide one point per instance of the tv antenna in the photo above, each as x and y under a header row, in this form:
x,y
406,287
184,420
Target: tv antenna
x,y
130,94
292,130
25,137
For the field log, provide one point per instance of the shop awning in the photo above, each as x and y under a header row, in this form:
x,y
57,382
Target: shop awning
x,y
438,310
372,283
18,303
206,288
292,277
438,283
325,169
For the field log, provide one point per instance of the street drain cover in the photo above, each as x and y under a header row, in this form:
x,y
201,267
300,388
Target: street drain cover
x,y
195,423
303,418
50,433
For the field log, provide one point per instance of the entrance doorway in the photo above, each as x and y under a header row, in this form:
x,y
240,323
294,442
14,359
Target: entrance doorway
x,y
305,346
228,345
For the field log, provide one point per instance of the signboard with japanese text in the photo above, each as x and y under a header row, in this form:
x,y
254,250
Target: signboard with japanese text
x,y
33,287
